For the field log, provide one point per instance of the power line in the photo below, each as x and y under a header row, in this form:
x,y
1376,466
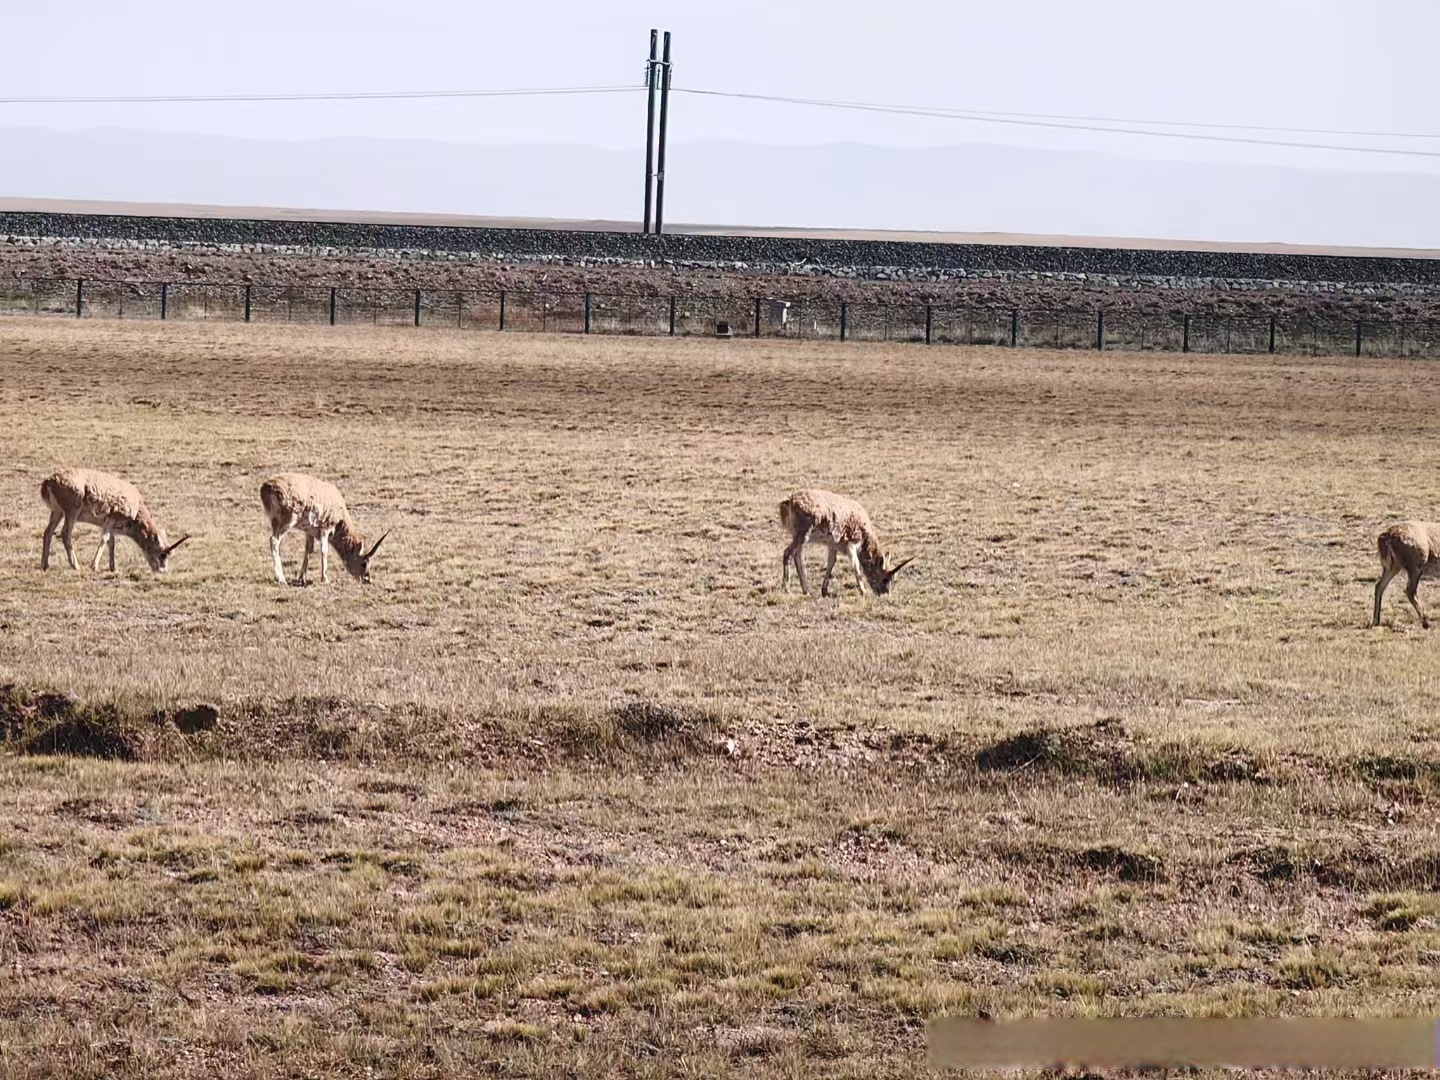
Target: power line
x,y
982,118
1227,127
1198,124
378,95
540,91
1108,125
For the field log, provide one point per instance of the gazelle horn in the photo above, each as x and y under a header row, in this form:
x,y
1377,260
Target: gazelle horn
x,y
371,553
177,543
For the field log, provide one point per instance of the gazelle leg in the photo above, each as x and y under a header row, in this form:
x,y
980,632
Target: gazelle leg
x,y
829,573
55,518
305,562
1411,588
792,555
800,568
1385,575
67,537
275,537
854,553
324,558
95,562
112,552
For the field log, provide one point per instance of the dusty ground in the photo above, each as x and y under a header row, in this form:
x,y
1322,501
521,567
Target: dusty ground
x,y
571,788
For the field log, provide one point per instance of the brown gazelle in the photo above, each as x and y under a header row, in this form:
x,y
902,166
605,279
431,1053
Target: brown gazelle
x,y
1412,546
96,498
840,524
316,508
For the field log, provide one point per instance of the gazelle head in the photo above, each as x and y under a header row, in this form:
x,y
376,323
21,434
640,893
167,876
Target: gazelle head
x,y
887,574
157,550
364,574
876,572
350,546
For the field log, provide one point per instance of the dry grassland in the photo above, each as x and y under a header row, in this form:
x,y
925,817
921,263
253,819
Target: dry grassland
x,y
573,789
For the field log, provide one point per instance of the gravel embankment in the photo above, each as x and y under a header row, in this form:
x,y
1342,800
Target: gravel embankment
x,y
101,247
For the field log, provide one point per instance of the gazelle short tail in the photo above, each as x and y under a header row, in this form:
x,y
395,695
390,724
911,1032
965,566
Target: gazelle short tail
x,y
1389,557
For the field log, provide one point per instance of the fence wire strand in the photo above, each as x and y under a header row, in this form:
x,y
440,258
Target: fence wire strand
x,y
541,311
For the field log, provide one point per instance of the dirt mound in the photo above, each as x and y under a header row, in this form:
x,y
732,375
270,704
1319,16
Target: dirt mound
x,y
1104,750
640,728
1107,860
1126,865
46,722
1351,868
51,723
195,718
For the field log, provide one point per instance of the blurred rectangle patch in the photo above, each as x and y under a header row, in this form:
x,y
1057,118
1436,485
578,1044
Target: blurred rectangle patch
x,y
1311,1042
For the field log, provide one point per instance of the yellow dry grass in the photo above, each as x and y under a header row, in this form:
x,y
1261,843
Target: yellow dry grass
x,y
572,785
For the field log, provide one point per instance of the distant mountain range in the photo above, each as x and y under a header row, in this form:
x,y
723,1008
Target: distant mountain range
x,y
972,188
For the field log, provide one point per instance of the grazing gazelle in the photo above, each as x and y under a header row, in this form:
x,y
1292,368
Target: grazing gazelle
x,y
1412,546
316,508
97,498
839,523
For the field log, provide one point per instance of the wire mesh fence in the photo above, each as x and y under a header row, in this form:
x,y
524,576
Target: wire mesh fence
x,y
536,311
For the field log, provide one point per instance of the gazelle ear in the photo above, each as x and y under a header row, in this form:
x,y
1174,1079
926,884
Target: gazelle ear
x,y
371,553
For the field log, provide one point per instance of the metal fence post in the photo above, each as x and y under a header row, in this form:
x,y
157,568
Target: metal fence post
x,y
1392,338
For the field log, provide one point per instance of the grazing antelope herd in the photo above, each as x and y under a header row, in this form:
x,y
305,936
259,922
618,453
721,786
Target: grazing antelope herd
x,y
316,508
291,501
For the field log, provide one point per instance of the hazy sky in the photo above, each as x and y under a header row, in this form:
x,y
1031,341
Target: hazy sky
x,y
1302,63
1308,63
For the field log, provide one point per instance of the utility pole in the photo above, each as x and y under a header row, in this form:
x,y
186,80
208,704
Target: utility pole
x,y
649,130
664,116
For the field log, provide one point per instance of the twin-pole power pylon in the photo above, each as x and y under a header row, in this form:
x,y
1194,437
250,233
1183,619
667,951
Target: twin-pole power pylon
x,y
657,77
